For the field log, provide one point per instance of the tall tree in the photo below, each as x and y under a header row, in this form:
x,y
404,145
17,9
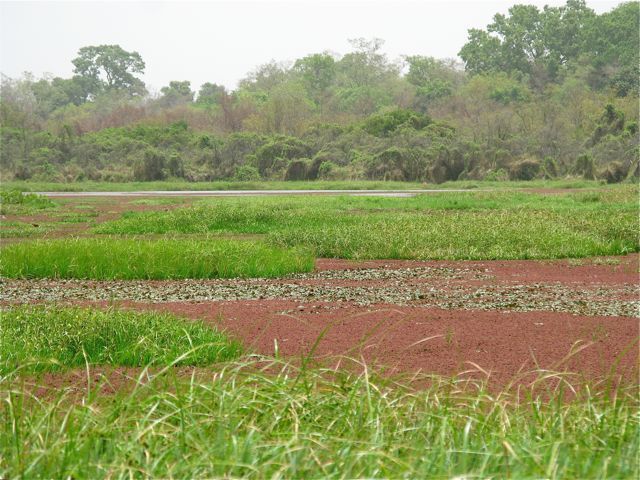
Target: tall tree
x,y
432,78
109,68
177,93
529,41
612,44
318,72
209,94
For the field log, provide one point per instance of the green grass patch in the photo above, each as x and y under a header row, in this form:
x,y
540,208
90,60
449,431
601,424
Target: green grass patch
x,y
156,201
14,202
74,217
318,424
16,229
42,338
111,259
469,225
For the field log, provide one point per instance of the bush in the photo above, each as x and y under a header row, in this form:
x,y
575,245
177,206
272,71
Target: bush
x,y
614,173
246,173
550,168
585,166
151,166
175,166
497,175
298,169
324,172
384,124
281,147
526,169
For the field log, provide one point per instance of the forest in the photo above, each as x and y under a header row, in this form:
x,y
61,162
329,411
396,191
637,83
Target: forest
x,y
538,93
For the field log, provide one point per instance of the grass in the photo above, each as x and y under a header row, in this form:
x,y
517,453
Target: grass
x,y
42,338
312,423
74,217
112,259
292,185
14,202
470,225
17,229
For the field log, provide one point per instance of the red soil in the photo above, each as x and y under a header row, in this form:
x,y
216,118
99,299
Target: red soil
x,y
412,339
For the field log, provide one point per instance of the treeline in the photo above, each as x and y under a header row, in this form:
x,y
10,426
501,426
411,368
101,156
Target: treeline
x,y
541,93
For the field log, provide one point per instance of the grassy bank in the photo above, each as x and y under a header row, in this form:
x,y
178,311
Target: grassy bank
x,y
42,338
111,259
29,186
314,423
469,225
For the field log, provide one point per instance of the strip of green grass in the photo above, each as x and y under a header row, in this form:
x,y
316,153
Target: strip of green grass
x,y
469,236
14,202
472,225
289,185
317,424
111,259
44,338
15,229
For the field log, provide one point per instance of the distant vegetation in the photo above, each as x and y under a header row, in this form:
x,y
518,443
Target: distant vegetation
x,y
541,94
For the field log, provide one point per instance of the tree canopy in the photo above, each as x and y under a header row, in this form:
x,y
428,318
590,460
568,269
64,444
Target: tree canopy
x,y
107,68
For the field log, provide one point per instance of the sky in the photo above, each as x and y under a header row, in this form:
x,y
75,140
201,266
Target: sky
x,y
222,41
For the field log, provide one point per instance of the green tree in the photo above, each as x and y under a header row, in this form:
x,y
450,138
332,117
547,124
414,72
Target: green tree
x,y
318,72
432,78
177,93
529,41
209,94
613,49
109,67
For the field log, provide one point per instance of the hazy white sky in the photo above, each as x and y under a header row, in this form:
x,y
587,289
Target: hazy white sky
x,y
221,41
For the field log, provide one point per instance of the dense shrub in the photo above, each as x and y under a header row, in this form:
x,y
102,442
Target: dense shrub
x,y
526,169
274,155
247,173
151,166
614,173
584,166
384,124
298,169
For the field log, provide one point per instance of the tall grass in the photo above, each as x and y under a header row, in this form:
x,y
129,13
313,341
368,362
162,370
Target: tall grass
x,y
39,338
314,423
110,259
487,225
